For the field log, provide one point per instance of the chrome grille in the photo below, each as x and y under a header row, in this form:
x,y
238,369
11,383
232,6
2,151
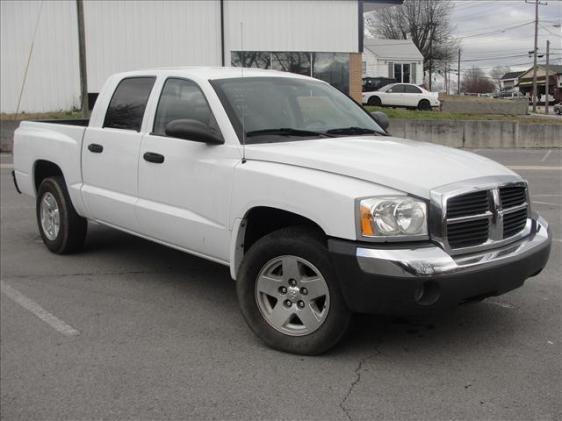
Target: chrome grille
x,y
512,196
468,204
514,222
486,213
466,234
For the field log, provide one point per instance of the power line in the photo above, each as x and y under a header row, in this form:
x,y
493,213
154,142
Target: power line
x,y
496,31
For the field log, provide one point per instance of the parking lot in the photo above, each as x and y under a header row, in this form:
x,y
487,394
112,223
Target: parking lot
x,y
152,333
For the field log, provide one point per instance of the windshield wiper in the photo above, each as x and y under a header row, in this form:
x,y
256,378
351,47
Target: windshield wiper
x,y
352,131
285,131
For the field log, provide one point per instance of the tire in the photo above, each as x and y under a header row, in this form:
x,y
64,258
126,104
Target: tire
x,y
424,105
374,101
53,204
304,246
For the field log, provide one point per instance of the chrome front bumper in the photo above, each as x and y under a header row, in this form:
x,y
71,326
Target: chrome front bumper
x,y
431,261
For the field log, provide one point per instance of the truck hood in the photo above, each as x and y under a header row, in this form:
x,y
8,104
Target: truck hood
x,y
409,166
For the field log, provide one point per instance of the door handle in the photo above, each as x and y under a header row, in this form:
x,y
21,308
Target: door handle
x,y
153,157
95,148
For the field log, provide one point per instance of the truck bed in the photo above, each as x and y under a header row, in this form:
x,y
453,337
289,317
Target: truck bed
x,y
83,122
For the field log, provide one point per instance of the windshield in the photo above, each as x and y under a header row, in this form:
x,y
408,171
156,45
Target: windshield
x,y
277,109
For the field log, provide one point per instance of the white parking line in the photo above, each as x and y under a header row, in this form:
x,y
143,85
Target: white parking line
x,y
534,167
547,203
37,310
546,155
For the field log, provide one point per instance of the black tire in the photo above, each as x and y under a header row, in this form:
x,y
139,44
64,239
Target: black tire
x,y
424,105
306,244
73,227
374,101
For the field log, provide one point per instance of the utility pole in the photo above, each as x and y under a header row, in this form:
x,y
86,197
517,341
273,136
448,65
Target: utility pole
x,y
459,74
431,56
546,81
535,51
82,58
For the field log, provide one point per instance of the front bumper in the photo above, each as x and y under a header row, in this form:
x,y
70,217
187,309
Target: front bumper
x,y
414,278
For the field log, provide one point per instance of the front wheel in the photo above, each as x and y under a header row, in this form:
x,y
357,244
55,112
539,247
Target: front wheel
x,y
289,294
374,101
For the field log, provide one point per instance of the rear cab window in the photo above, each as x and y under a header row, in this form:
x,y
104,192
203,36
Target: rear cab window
x,y
128,103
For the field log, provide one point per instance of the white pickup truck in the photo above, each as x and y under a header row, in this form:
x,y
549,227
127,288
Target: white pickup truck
x,y
317,211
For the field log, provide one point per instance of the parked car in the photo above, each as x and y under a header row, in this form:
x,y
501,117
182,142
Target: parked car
x,y
558,109
315,209
371,84
402,95
510,95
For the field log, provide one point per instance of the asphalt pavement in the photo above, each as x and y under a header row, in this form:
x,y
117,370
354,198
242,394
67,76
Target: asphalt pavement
x,y
129,329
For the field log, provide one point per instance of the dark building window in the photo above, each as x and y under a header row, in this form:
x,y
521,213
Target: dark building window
x,y
329,67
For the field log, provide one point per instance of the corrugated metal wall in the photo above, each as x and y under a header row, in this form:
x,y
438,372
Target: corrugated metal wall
x,y
278,25
129,35
53,79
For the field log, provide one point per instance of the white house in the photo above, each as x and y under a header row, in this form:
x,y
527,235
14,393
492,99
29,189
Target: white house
x,y
39,42
398,59
509,81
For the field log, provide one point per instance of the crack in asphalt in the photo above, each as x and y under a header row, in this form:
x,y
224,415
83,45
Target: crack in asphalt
x,y
354,383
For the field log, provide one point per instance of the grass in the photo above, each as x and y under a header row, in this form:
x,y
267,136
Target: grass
x,y
61,115
401,113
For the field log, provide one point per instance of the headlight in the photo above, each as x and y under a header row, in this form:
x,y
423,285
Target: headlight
x,y
399,217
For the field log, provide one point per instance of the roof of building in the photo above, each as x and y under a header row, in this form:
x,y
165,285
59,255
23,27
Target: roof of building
x,y
403,49
512,75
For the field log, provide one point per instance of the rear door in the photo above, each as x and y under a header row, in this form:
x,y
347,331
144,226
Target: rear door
x,y
412,95
110,155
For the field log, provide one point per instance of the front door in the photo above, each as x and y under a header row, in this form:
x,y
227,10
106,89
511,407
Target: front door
x,y
184,186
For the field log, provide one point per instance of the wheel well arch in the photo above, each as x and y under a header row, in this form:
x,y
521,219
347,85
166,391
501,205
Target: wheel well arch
x,y
43,169
260,221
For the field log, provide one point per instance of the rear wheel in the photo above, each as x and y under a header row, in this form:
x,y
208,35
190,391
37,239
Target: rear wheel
x,y
289,295
62,229
424,105
375,101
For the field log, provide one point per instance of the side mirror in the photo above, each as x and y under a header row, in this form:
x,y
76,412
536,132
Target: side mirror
x,y
193,130
381,119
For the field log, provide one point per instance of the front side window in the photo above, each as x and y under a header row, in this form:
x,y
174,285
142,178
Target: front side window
x,y
396,89
275,109
126,108
182,99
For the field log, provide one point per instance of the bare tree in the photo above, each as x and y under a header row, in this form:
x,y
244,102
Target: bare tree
x,y
476,82
425,22
498,72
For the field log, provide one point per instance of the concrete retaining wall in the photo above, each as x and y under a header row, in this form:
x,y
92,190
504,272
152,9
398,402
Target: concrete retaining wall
x,y
479,134
458,134
489,106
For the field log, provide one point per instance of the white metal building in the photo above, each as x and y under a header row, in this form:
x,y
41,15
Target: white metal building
x,y
398,59
323,38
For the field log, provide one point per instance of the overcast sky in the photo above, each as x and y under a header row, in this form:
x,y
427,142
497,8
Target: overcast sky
x,y
471,18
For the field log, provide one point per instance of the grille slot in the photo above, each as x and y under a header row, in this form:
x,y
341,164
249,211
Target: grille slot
x,y
514,222
512,196
466,234
468,204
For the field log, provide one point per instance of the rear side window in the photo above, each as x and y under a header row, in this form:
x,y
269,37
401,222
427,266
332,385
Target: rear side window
x,y
126,108
409,89
182,99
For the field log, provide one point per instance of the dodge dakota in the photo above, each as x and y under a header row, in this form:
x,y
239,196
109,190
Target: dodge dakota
x,y
318,212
